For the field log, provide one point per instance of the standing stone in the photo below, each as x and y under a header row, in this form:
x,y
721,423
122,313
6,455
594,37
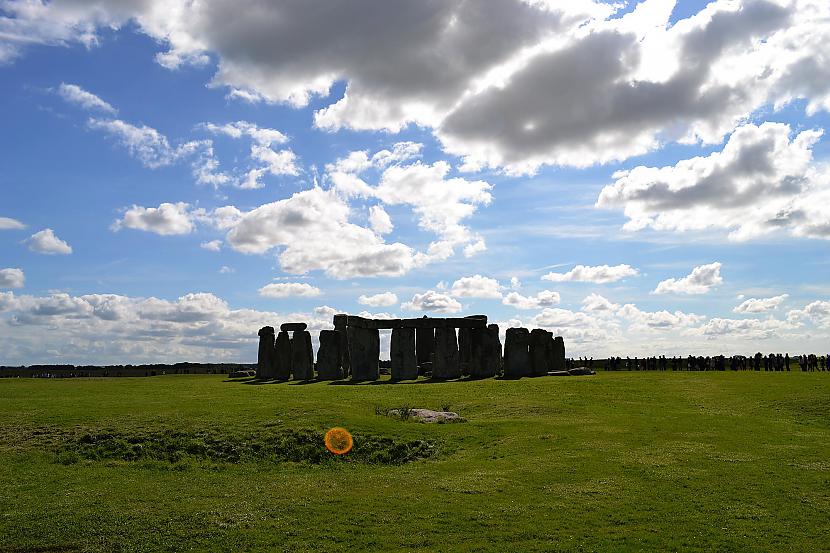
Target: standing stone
x,y
539,348
402,353
302,356
424,346
517,353
465,352
558,354
482,348
364,353
282,356
445,360
328,356
265,355
493,354
340,322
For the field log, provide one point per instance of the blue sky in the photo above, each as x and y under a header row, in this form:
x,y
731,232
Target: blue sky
x,y
650,179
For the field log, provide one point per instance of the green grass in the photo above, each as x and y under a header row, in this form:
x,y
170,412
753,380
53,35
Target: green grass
x,y
616,462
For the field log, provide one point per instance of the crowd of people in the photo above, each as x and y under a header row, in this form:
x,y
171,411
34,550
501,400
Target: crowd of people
x,y
758,362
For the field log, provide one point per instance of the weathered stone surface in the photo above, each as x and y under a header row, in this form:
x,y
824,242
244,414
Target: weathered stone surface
x,y
302,356
328,356
558,354
540,351
493,354
517,353
475,321
265,354
428,415
402,353
465,348
424,347
282,356
445,359
293,326
340,322
485,352
364,353
242,374
581,371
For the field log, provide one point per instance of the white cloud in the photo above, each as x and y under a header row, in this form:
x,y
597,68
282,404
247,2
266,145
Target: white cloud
x,y
45,241
378,300
700,281
476,286
762,181
657,320
289,290
432,301
166,219
545,298
601,274
212,245
753,329
7,223
760,305
596,303
12,278
379,220
817,312
313,228
74,94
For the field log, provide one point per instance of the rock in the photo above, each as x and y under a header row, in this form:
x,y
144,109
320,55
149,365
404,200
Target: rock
x,y
364,353
340,322
282,356
402,353
427,415
485,352
539,351
242,374
581,371
328,356
424,347
558,354
465,348
559,373
445,364
302,356
290,327
517,353
265,354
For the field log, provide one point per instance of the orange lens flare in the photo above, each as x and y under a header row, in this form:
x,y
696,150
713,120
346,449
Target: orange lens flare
x,y
338,441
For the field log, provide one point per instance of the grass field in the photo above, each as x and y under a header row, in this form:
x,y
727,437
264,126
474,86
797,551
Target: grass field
x,y
615,462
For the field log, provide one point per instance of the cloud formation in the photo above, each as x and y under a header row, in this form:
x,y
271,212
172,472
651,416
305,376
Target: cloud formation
x,y
600,274
383,299
7,223
166,219
700,281
760,305
278,290
12,278
45,241
432,301
74,94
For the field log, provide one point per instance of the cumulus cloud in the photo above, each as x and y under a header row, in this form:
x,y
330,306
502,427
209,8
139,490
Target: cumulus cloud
x,y
761,305
600,274
752,329
212,245
596,303
817,312
74,94
7,223
166,219
700,281
432,301
476,286
378,300
45,241
379,220
762,181
313,228
288,290
12,278
545,298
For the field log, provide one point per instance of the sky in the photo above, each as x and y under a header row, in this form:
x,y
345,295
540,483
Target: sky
x,y
641,178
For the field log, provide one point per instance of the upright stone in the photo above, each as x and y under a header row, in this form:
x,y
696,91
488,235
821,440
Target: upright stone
x,y
302,356
558,354
424,346
445,360
539,348
402,353
282,356
364,353
265,355
517,353
465,352
493,353
340,325
482,364
328,356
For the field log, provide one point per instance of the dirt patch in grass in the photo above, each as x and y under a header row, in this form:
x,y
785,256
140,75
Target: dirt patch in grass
x,y
299,446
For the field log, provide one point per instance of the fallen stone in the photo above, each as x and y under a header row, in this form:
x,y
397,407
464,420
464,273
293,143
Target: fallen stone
x,y
580,371
242,374
559,373
428,416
